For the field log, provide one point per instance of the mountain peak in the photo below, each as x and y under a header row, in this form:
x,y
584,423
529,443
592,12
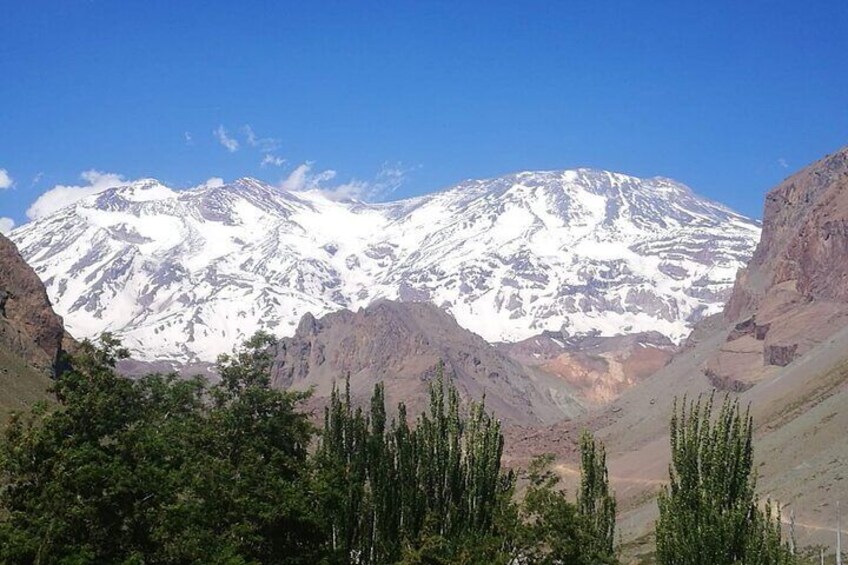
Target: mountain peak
x,y
138,190
250,182
186,275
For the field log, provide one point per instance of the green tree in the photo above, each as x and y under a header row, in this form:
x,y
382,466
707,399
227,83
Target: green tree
x,y
251,476
169,470
554,529
341,469
708,512
159,470
389,489
594,501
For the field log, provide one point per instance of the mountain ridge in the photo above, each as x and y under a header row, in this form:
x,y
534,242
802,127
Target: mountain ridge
x,y
184,275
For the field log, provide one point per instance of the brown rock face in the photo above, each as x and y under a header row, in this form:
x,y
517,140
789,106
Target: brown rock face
x,y
29,328
794,293
401,344
804,237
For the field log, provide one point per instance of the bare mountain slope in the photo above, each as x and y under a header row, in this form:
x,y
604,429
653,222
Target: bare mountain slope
x,y
597,368
401,344
800,451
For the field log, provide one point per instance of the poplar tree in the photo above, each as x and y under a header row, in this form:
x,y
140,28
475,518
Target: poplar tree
x,y
708,512
341,474
389,487
594,501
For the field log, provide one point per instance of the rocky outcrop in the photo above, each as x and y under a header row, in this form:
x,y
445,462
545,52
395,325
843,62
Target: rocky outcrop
x,y
794,292
401,345
29,329
750,327
780,355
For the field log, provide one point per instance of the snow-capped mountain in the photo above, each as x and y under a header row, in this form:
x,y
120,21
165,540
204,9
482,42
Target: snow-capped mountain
x,y
185,275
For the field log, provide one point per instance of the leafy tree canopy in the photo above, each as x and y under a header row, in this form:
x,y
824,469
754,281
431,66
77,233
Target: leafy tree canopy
x,y
168,470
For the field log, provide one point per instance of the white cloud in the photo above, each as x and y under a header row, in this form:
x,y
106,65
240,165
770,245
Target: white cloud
x,y
189,140
353,190
296,179
5,180
273,160
228,142
387,180
6,225
390,178
211,182
251,137
302,178
782,162
64,195
265,144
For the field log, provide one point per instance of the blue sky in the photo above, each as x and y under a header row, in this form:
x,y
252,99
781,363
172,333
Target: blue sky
x,y
728,97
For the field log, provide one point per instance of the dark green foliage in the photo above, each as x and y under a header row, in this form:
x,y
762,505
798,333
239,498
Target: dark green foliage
x,y
158,470
555,530
390,486
436,493
709,513
594,501
165,470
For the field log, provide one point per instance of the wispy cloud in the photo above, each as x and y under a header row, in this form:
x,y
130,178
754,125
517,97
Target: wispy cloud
x,y
251,136
388,179
64,195
782,162
229,143
6,180
302,178
264,144
272,160
189,140
6,225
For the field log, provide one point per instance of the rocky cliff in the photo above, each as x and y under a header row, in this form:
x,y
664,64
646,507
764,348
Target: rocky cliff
x,y
29,328
31,334
794,293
